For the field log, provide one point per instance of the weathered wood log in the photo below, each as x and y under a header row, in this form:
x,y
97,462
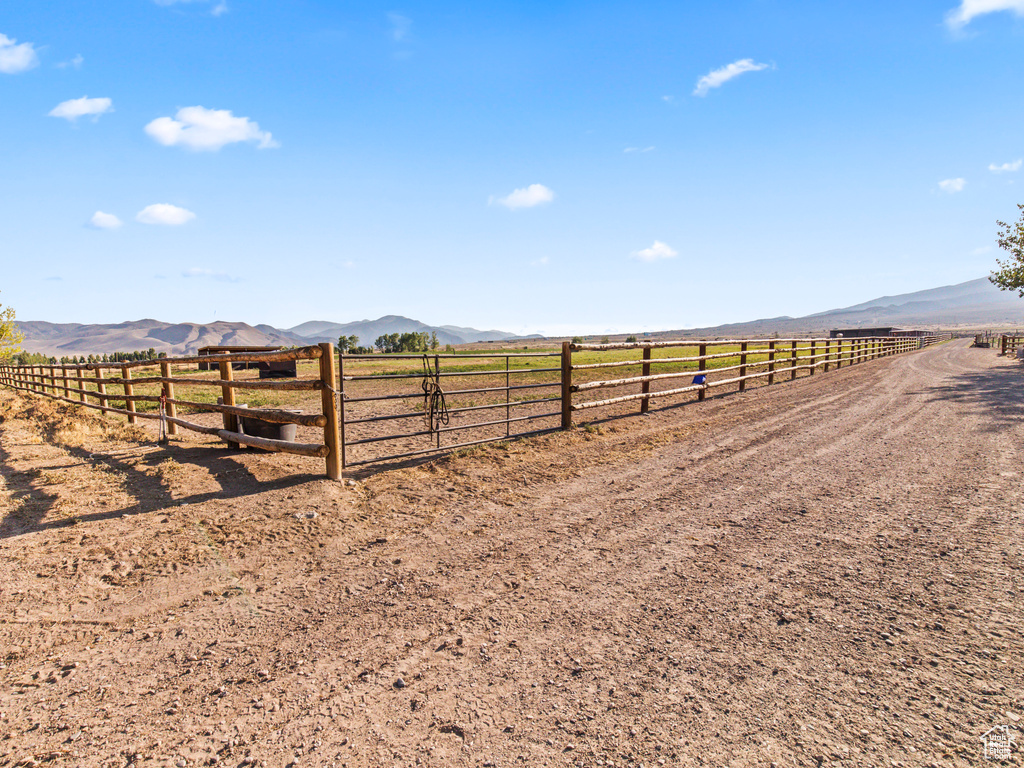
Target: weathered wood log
x,y
278,446
267,414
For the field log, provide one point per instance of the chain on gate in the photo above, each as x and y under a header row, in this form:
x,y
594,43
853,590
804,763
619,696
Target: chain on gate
x,y
435,407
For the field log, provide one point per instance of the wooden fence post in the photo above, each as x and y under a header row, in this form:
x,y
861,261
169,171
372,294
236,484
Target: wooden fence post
x,y
828,353
64,381
566,385
170,409
332,436
81,386
814,357
792,374
702,366
1002,345
228,395
341,403
101,388
129,404
645,387
743,366
771,362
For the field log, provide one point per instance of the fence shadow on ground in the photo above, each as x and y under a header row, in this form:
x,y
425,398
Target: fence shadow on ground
x,y
33,500
996,393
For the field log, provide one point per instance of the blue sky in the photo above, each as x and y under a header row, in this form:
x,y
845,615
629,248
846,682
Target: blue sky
x,y
536,167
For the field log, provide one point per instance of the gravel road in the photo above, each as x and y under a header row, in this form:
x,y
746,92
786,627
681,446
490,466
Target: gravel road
x,y
821,572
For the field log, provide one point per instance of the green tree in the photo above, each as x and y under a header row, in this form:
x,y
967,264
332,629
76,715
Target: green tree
x,y
631,339
10,336
1010,275
434,343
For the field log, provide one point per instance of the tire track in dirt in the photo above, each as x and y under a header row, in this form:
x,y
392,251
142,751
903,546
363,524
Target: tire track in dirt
x,y
803,574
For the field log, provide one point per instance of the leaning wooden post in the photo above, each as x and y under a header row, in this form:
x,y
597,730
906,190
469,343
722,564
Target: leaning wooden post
x,y
702,366
566,385
743,365
228,395
792,355
129,392
170,408
328,384
645,387
771,362
101,388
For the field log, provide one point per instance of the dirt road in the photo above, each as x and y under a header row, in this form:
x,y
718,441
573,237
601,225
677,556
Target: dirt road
x,y
822,572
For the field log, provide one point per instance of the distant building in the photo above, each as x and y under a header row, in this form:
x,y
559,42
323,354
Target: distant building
x,y
204,351
861,333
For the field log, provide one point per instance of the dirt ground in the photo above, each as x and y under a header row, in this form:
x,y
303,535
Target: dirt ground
x,y
822,572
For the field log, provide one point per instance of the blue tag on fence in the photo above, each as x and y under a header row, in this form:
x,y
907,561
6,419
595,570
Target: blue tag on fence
x,y
701,379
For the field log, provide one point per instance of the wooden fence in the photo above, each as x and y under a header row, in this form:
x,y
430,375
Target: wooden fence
x,y
1009,343
723,363
83,384
518,392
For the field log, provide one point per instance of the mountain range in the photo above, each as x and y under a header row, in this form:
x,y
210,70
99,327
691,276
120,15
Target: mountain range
x,y
974,304
73,339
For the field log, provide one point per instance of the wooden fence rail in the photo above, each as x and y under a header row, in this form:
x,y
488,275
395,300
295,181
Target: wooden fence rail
x,y
697,366
1009,343
66,381
752,359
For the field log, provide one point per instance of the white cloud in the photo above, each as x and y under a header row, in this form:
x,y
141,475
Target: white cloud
x,y
210,273
543,261
627,150
16,58
101,220
952,185
72,109
217,10
656,252
961,16
718,77
207,129
76,63
1006,167
165,214
400,26
535,194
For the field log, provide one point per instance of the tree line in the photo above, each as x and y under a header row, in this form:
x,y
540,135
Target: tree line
x,y
390,343
34,358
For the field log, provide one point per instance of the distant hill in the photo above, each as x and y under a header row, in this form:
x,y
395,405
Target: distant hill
x,y
73,339
368,330
974,304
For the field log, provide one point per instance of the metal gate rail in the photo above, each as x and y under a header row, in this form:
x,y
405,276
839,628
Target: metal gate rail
x,y
433,370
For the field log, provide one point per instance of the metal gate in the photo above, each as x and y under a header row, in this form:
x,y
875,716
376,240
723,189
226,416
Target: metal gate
x,y
405,405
